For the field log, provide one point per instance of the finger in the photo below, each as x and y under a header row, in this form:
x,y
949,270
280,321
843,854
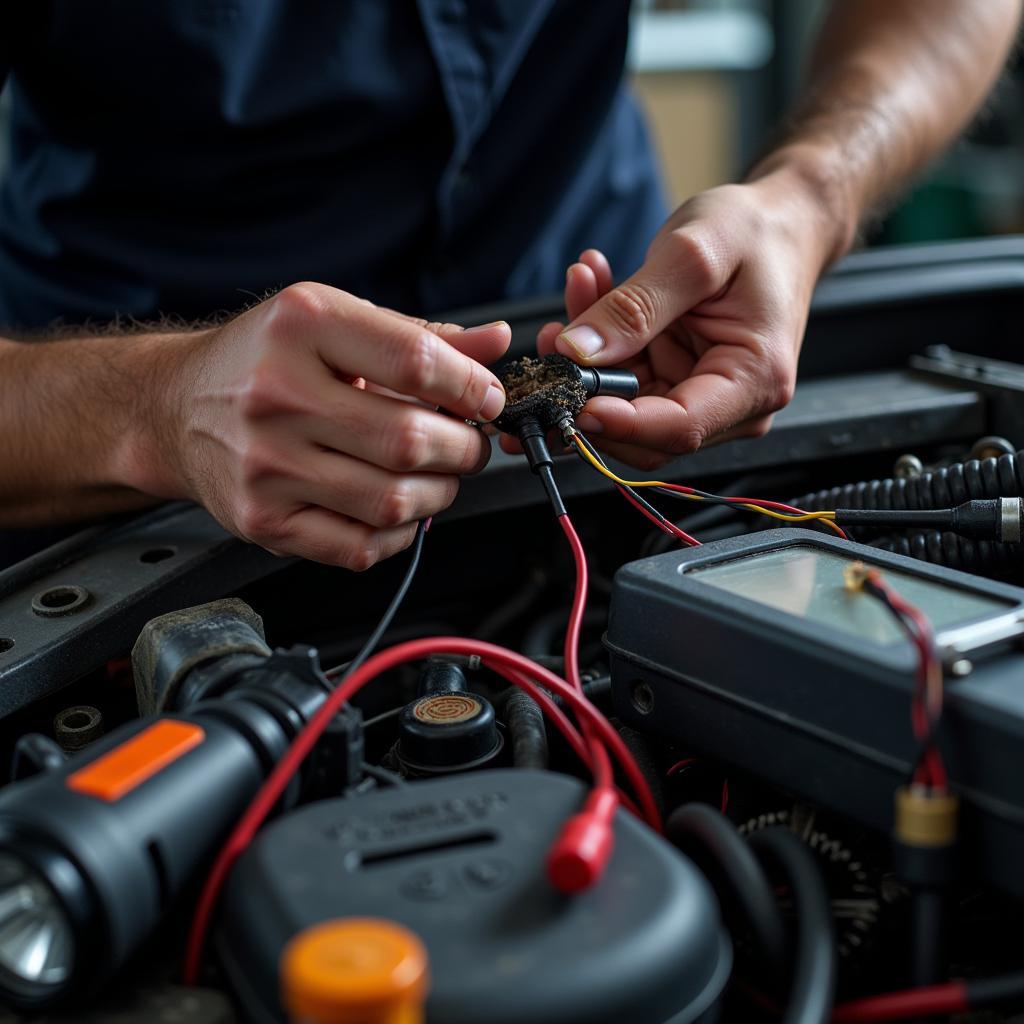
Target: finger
x,y
324,536
703,406
368,493
649,460
356,338
749,430
679,274
546,338
661,423
581,290
393,434
598,263
485,343
645,460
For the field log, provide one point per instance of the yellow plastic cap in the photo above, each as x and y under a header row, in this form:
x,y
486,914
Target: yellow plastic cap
x,y
358,970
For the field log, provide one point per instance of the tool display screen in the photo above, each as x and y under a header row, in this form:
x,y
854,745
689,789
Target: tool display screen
x,y
807,582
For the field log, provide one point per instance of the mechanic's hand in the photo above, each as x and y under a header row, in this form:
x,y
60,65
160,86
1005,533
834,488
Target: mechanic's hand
x,y
711,323
306,425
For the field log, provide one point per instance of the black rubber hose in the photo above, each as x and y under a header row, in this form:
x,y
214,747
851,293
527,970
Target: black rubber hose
x,y
1001,477
812,992
525,723
714,844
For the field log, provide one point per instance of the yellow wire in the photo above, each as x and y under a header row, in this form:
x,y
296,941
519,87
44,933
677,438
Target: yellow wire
x,y
823,517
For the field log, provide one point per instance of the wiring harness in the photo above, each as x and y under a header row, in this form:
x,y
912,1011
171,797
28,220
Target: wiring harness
x,y
580,853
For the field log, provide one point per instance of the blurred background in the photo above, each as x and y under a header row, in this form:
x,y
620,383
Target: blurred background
x,y
716,76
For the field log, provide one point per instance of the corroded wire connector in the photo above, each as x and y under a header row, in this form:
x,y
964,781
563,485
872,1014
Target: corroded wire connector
x,y
855,575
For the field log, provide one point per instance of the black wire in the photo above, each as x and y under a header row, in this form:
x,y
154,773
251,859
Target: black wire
x,y
647,505
385,621
379,775
812,991
706,496
547,478
625,488
714,843
383,716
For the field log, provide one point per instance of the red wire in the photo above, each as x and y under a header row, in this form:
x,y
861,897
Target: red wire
x,y
496,658
932,769
579,604
668,527
603,776
949,998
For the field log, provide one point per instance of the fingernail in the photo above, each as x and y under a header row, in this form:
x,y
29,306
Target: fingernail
x,y
589,423
493,403
485,327
584,340
568,275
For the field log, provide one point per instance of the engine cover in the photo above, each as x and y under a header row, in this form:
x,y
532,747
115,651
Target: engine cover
x,y
460,861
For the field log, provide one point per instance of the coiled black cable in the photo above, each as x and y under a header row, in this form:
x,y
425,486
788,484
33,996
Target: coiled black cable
x,y
1001,477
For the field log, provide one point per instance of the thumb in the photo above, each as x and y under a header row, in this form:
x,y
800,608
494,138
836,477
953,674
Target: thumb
x,y
677,275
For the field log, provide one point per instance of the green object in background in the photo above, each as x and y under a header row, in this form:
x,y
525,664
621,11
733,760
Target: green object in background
x,y
936,210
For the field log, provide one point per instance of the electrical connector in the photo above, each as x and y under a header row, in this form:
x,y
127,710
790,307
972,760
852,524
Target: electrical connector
x,y
924,855
580,854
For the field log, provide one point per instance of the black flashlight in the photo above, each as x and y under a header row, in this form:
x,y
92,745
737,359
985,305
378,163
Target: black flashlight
x,y
96,850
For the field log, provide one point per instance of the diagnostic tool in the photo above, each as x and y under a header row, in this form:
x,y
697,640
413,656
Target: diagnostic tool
x,y
754,650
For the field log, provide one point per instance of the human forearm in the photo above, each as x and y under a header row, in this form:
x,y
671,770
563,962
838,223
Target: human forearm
x,y
289,423
890,83
79,425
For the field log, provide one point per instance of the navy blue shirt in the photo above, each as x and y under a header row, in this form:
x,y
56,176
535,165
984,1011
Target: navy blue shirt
x,y
182,156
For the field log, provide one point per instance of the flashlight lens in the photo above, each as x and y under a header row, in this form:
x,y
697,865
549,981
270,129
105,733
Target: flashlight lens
x,y
36,947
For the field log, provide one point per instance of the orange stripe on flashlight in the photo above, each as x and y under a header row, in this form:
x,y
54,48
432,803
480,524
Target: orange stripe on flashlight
x,y
119,771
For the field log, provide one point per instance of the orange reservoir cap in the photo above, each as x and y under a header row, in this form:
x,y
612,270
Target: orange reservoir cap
x,y
354,970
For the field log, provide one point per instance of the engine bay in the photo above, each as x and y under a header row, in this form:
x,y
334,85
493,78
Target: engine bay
x,y
557,763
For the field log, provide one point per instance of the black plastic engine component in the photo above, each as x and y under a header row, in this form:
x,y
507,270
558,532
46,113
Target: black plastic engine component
x,y
447,731
171,647
752,650
460,862
1001,477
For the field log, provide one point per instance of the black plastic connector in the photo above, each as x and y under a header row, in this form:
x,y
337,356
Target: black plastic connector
x,y
535,448
997,519
615,383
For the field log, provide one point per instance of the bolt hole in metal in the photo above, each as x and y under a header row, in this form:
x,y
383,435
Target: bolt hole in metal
x,y
77,726
642,697
63,600
6,643
154,555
